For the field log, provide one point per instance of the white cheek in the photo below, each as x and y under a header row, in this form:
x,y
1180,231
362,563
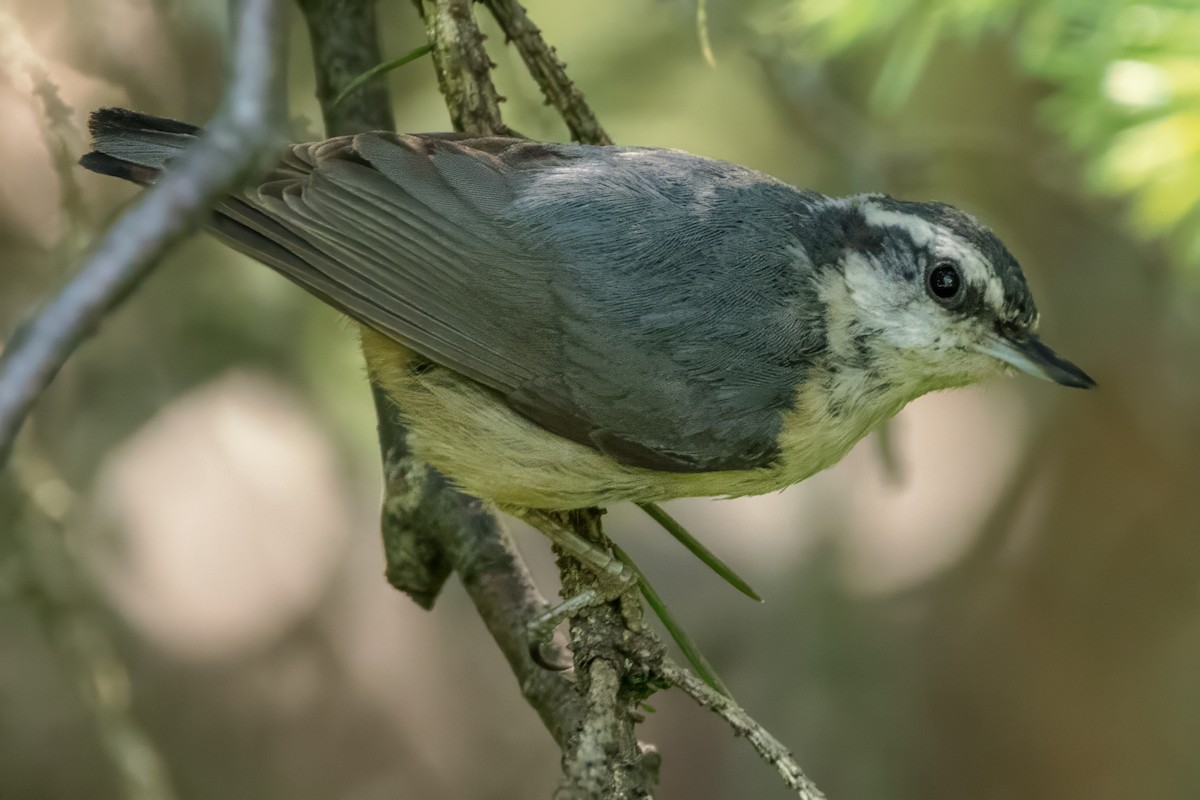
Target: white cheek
x,y
905,315
920,327
885,304
993,293
840,308
872,299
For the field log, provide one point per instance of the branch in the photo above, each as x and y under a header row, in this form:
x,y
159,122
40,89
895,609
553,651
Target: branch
x,y
491,570
593,744
237,143
611,648
550,73
463,67
770,748
345,44
429,528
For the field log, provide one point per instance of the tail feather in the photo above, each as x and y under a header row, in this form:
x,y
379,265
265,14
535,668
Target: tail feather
x,y
105,164
135,146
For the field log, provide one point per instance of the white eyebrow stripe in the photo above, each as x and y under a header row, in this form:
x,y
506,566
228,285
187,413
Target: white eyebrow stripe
x,y
942,242
921,231
993,292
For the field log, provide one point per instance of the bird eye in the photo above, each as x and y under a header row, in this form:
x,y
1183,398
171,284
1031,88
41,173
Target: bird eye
x,y
944,282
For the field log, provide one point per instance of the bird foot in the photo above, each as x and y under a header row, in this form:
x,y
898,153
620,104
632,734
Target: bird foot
x,y
612,580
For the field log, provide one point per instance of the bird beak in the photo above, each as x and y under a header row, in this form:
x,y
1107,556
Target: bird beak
x,y
1026,352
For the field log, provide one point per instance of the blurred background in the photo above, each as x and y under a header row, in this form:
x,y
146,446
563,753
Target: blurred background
x,y
999,599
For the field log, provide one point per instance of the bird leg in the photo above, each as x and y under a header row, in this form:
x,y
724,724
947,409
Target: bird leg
x,y
612,578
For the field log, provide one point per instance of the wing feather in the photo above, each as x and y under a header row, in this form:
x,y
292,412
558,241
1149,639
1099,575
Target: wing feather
x,y
621,298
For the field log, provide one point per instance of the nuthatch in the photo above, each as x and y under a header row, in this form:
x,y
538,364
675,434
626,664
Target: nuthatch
x,y
564,326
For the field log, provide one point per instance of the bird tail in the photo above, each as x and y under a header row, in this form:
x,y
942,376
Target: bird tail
x,y
133,146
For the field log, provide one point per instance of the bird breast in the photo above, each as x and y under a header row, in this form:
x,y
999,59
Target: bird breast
x,y
488,450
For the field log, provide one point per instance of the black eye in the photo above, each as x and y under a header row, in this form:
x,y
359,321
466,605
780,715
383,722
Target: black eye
x,y
944,281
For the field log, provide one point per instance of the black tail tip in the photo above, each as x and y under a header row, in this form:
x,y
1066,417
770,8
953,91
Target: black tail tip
x,y
104,121
105,164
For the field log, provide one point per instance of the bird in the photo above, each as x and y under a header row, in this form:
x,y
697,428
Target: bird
x,y
563,326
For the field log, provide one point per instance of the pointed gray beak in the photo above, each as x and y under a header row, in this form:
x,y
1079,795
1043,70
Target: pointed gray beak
x,y
1026,352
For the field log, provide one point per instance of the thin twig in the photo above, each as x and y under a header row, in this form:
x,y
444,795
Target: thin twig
x,y
551,75
240,137
463,67
702,33
770,748
236,144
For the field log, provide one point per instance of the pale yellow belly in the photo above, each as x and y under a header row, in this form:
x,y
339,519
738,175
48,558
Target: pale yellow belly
x,y
490,451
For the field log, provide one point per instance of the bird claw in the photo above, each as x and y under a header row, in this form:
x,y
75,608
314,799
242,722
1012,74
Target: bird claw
x,y
611,579
540,630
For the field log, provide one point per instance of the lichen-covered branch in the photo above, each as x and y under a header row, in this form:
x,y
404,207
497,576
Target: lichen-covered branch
x,y
237,143
611,649
463,67
551,75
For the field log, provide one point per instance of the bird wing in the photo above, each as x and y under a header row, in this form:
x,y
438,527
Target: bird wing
x,y
647,303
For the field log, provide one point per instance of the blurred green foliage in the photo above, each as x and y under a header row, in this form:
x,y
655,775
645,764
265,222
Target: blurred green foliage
x,y
1122,78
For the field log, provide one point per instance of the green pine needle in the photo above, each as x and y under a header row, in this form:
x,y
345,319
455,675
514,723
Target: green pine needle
x,y
700,551
380,69
702,32
684,642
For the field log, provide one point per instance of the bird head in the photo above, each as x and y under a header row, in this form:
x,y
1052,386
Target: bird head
x,y
925,296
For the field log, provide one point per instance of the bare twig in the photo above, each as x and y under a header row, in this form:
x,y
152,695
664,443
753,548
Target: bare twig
x,y
236,144
345,45
550,73
23,68
770,748
463,67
